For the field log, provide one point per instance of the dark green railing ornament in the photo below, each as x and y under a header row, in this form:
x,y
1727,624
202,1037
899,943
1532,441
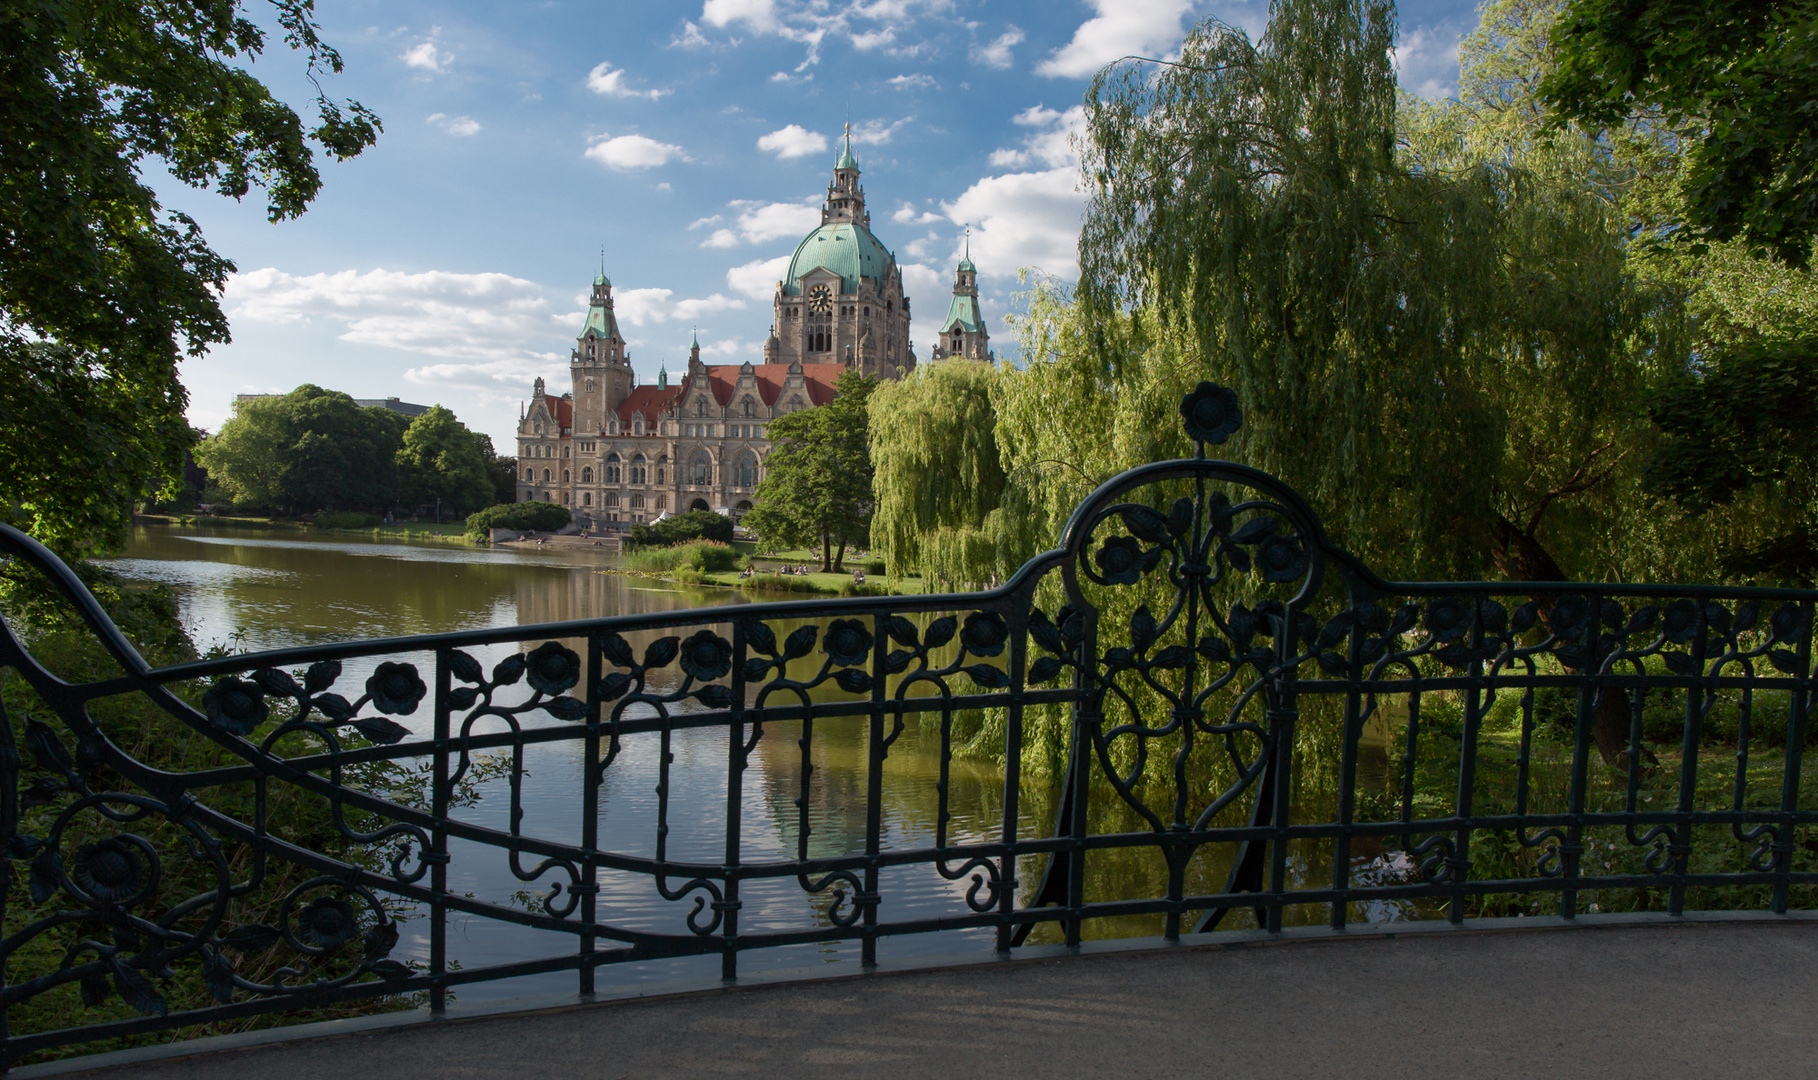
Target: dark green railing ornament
x,y
1211,414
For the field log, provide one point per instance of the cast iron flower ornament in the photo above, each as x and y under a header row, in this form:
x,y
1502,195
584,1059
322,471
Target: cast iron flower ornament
x,y
552,668
847,642
706,656
396,688
1211,414
235,705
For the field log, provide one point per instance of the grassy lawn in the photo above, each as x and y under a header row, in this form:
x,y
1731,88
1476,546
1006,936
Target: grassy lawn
x,y
830,584
451,529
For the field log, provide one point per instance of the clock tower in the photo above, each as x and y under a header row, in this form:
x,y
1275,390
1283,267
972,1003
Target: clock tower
x,y
841,301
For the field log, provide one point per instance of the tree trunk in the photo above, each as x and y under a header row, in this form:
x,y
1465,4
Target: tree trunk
x,y
1520,557
839,558
826,553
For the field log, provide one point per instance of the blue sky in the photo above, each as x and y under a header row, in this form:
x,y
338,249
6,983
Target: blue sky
x,y
449,264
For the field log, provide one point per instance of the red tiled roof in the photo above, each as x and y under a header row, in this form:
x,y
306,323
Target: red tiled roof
x,y
649,400
560,408
721,378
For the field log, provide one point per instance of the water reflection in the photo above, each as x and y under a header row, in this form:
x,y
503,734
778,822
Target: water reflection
x,y
264,590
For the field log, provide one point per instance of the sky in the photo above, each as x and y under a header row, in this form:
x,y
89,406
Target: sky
x,y
691,144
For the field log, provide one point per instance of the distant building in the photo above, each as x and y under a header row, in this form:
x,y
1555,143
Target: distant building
x,y
392,403
616,452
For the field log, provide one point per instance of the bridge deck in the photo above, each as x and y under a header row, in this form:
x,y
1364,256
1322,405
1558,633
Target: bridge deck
x,y
1689,1000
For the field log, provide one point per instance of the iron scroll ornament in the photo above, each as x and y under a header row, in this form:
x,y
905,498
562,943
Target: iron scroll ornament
x,y
1191,629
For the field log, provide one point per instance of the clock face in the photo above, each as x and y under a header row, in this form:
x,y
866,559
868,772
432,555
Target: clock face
x,y
820,298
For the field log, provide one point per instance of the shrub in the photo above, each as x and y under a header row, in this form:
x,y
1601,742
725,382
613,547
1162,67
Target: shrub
x,y
694,525
700,556
540,516
345,519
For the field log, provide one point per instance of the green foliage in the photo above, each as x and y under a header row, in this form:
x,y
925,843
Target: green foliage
x,y
938,469
817,480
1432,335
345,519
527,516
441,459
682,529
1736,81
705,556
315,449
1744,428
101,288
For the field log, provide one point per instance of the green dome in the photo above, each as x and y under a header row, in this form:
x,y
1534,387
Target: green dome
x,y
846,249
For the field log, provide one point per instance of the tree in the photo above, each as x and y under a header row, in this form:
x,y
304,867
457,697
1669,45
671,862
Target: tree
x,y
1413,322
312,449
101,288
442,460
501,471
817,480
937,475
1736,77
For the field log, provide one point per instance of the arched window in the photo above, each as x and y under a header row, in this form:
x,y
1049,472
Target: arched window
x,y
530,474
587,498
662,461
662,502
700,406
795,402
747,405
566,498
700,470
612,500
546,476
959,343
637,502
564,476
637,469
746,471
612,468
587,475
590,381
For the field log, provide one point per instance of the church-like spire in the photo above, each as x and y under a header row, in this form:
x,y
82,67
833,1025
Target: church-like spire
x,y
845,198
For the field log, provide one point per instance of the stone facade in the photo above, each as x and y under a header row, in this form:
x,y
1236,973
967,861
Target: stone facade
x,y
616,453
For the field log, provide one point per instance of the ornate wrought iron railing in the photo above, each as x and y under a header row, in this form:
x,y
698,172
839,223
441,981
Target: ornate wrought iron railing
x,y
1246,713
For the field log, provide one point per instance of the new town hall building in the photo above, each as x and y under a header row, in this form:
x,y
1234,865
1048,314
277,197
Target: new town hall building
x,y
616,452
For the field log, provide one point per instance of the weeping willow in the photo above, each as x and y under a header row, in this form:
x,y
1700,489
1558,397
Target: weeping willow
x,y
1434,343
937,477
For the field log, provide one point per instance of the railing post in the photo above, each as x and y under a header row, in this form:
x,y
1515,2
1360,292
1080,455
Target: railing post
x,y
1013,769
590,816
438,860
1459,869
1795,746
874,793
735,801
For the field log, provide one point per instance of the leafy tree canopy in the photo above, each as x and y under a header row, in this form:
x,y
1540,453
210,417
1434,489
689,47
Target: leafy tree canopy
x,y
442,460
817,480
102,288
1739,79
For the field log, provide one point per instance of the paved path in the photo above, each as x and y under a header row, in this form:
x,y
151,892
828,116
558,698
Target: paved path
x,y
1706,1001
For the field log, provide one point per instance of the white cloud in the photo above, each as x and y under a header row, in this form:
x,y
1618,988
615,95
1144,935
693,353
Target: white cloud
x,y
760,222
494,325
729,347
455,125
917,81
701,223
1426,61
866,24
793,141
603,79
427,57
759,15
1122,28
628,152
641,306
758,279
1026,219
907,214
998,53
1050,141
877,132
691,37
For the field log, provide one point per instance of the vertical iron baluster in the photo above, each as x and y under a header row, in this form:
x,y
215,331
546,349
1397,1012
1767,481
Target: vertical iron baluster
x,y
736,720
9,827
874,792
1013,767
1695,706
1572,850
1460,864
590,815
1795,746
1347,774
438,868
1087,722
